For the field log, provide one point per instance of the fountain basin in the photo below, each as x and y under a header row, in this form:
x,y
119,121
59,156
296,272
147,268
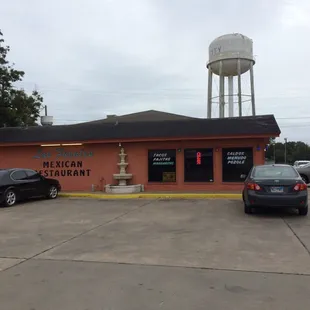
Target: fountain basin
x,y
123,189
121,176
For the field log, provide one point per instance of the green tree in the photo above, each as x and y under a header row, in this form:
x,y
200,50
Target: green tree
x,y
294,151
17,108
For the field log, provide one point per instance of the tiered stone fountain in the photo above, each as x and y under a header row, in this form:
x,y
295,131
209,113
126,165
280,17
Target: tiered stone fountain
x,y
123,177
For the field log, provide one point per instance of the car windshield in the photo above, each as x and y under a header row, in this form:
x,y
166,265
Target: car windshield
x,y
306,165
303,163
270,172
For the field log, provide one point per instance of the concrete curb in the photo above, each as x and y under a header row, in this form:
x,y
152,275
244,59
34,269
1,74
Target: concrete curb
x,y
153,196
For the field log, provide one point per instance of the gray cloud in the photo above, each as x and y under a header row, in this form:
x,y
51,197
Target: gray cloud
x,y
104,57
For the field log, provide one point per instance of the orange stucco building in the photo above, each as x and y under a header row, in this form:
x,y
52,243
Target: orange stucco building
x,y
165,152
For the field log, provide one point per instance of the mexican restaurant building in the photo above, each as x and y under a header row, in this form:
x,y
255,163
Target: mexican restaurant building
x,y
165,152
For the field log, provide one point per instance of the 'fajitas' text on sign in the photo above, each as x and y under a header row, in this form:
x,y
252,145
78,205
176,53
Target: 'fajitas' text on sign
x,y
162,159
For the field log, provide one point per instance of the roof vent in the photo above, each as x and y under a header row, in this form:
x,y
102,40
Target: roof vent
x,y
47,120
111,115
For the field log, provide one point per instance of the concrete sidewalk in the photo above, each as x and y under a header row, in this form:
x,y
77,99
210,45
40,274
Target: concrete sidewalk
x,y
155,195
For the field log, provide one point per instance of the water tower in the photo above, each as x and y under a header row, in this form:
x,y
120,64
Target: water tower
x,y
45,119
230,57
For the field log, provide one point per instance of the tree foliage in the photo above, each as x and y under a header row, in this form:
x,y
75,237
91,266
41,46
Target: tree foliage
x,y
17,108
295,150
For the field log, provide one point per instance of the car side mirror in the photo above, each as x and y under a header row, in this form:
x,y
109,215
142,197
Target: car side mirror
x,y
243,176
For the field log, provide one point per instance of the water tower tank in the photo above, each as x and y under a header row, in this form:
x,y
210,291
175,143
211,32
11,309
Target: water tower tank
x,y
230,56
46,120
228,49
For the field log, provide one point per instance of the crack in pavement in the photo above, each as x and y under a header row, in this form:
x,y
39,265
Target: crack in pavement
x,y
12,257
172,266
76,236
295,234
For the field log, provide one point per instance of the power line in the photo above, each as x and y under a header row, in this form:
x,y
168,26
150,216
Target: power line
x,y
294,126
145,91
89,120
277,118
301,117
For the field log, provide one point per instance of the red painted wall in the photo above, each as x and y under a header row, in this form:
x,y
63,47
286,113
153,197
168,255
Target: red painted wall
x,y
105,157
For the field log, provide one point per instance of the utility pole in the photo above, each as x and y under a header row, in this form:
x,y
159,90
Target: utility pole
x,y
285,141
272,141
45,108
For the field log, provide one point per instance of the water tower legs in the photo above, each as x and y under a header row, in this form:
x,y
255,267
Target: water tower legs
x,y
239,87
230,96
209,109
222,94
252,89
222,97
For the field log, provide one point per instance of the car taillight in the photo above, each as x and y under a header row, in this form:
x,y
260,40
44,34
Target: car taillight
x,y
253,186
300,187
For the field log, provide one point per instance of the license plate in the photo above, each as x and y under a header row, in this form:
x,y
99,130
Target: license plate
x,y
278,189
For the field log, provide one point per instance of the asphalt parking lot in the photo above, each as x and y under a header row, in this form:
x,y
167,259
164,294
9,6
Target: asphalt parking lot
x,y
79,254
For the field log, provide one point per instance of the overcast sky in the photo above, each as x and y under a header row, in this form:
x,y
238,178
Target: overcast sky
x,y
97,57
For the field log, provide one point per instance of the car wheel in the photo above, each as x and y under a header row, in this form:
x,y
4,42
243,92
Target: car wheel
x,y
247,209
52,192
303,211
305,179
10,198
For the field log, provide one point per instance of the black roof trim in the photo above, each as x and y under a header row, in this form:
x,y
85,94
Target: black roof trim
x,y
184,128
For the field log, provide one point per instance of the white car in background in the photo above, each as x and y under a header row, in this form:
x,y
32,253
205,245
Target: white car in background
x,y
300,163
304,172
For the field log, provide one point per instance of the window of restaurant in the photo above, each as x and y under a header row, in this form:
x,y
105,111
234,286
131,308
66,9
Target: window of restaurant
x,y
236,161
162,166
198,165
